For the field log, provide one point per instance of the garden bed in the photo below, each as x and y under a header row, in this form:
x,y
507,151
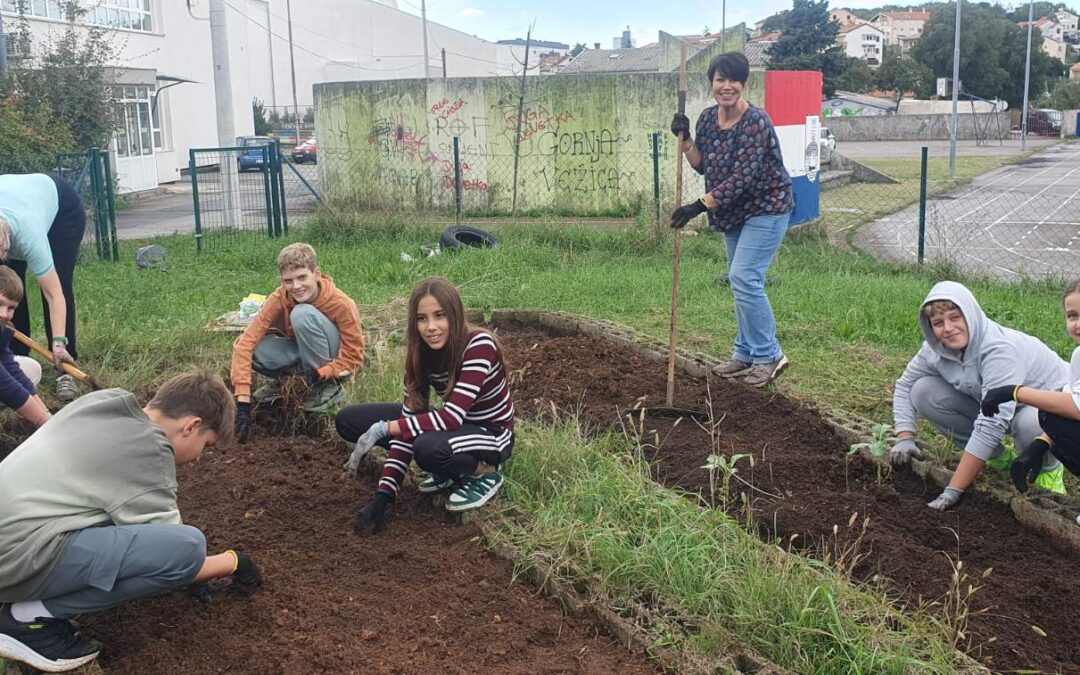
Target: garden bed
x,y
425,596
807,493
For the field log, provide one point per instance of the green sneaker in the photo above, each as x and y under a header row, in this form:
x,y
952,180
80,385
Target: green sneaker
x,y
475,493
323,397
435,483
1003,461
268,392
1053,480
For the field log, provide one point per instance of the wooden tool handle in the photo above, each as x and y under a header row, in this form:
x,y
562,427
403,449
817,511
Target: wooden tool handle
x,y
670,398
67,367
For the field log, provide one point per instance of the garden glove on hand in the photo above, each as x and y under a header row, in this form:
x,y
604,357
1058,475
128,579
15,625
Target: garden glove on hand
x,y
243,421
60,354
903,451
946,500
684,214
996,396
680,126
375,433
312,377
246,576
373,515
1025,468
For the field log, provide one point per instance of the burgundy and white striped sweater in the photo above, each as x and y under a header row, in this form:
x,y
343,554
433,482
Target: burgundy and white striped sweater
x,y
481,396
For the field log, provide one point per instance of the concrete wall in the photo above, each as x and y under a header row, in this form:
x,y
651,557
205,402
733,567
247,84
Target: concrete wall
x,y
1068,124
919,106
914,127
585,140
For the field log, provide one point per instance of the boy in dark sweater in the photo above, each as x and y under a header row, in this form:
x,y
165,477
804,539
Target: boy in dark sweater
x,y
89,520
18,374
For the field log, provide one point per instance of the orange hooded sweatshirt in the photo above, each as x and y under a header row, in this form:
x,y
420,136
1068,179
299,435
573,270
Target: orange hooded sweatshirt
x,y
274,315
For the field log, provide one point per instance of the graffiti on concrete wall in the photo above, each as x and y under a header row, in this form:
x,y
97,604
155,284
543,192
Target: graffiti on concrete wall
x,y
842,107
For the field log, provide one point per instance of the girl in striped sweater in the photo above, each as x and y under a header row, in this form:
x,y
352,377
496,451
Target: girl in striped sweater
x,y
461,444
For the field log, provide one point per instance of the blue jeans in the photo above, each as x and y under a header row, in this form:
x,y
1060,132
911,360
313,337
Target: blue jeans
x,y
750,250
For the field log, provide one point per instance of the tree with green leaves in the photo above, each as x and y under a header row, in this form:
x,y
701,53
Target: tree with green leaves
x,y
905,75
1064,96
808,42
578,48
1039,10
992,53
258,114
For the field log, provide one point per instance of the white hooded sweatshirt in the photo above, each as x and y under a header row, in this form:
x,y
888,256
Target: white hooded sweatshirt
x,y
995,356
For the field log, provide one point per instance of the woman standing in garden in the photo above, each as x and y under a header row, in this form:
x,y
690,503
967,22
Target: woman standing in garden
x,y
42,221
748,198
461,444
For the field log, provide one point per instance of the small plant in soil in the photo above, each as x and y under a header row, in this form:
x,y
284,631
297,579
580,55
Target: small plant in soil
x,y
725,466
878,447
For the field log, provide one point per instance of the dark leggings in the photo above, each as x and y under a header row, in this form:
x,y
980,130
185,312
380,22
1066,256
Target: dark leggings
x,y
439,452
1065,434
65,237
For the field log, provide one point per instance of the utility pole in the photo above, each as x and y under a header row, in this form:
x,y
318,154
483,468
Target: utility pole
x,y
1027,81
270,44
3,49
723,25
955,93
223,100
292,69
423,23
520,114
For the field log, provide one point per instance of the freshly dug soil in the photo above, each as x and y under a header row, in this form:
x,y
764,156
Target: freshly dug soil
x,y
424,596
800,462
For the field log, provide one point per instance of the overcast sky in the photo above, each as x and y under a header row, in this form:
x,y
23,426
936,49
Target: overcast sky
x,y
590,21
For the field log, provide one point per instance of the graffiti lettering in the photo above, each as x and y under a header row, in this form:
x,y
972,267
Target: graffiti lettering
x,y
394,139
457,126
536,120
584,179
446,109
466,185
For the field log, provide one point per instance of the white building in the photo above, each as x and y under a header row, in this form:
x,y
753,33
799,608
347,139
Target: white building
x,y
901,28
1070,23
862,41
843,17
159,42
1052,34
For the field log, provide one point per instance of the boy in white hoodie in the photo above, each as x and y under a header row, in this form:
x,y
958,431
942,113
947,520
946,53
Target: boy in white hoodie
x,y
963,356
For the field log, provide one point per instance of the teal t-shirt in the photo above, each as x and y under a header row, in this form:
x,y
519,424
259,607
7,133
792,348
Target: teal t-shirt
x,y
29,203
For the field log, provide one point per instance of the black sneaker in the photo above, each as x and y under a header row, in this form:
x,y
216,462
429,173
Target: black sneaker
x,y
51,645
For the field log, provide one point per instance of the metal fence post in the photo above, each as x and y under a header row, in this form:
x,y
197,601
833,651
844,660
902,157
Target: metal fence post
x,y
922,204
457,181
95,188
110,199
284,229
195,195
269,187
270,174
656,174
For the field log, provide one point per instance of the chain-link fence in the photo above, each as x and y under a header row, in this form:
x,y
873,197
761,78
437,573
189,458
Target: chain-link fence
x,y
236,191
1018,221
91,173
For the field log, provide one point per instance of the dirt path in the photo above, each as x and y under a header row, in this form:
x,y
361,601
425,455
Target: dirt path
x,y
422,597
800,461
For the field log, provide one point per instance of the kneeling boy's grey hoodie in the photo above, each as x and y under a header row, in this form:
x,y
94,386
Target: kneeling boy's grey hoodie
x,y
995,356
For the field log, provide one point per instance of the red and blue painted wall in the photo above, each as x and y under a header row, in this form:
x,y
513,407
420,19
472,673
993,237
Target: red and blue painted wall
x,y
793,101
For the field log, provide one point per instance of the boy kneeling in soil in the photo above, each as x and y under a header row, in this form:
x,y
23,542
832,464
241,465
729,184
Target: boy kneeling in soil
x,y
88,517
964,356
316,335
19,375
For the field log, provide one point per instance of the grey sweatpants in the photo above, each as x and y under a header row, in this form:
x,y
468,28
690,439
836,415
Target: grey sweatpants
x,y
953,413
102,567
317,343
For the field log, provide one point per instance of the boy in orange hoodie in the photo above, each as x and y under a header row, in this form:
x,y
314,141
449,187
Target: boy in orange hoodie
x,y
306,327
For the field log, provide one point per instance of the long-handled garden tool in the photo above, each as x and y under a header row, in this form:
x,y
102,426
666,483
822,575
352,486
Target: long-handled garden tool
x,y
67,367
678,237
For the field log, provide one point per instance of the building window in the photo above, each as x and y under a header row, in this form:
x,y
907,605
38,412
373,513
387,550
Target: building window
x,y
127,14
135,136
45,9
156,115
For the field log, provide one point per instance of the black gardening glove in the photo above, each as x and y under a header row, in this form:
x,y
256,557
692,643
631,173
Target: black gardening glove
x,y
312,377
680,126
373,515
246,576
1025,468
996,396
243,421
684,214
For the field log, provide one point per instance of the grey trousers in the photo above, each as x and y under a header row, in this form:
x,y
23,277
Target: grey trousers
x,y
317,343
102,567
953,413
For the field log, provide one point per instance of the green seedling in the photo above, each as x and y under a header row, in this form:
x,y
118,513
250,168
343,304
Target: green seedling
x,y
725,467
878,447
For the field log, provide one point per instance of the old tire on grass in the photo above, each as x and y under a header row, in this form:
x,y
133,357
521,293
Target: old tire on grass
x,y
458,236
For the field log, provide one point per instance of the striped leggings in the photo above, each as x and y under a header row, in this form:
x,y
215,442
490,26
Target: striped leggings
x,y
454,454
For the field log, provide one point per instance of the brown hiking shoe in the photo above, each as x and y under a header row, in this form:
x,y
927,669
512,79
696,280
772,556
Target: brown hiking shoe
x,y
761,374
732,368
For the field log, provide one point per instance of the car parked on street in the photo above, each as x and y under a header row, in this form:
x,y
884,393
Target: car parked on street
x,y
826,143
1045,122
252,156
308,151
